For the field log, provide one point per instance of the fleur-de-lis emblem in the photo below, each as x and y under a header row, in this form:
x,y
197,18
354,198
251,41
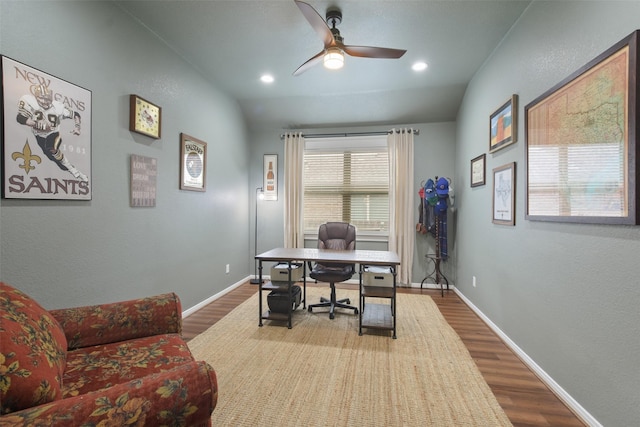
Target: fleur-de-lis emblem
x,y
27,157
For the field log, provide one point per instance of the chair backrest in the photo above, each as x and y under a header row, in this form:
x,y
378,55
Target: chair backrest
x,y
337,236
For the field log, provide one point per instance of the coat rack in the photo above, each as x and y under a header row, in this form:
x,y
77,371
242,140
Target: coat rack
x,y
433,220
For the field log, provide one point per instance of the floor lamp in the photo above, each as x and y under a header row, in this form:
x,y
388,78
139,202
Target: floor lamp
x,y
256,279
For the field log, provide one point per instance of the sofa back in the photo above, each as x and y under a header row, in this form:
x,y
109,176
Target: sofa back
x,y
33,351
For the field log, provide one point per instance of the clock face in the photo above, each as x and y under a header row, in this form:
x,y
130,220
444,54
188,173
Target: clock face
x,y
146,117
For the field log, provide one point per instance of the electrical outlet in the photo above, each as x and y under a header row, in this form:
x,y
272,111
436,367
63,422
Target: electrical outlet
x,y
474,281
227,271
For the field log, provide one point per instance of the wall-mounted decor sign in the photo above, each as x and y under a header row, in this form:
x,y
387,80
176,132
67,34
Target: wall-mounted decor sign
x,y
193,163
503,129
144,176
144,117
478,170
47,135
504,194
581,147
270,180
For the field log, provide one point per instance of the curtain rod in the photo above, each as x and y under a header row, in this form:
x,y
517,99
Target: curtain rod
x,y
334,135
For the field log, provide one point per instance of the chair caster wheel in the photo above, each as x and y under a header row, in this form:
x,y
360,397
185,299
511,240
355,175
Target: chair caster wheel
x,y
348,301
355,311
332,316
310,309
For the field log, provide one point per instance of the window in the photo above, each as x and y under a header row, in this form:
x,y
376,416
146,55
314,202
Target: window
x,y
347,179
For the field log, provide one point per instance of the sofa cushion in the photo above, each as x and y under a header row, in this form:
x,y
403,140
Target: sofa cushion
x,y
32,352
96,367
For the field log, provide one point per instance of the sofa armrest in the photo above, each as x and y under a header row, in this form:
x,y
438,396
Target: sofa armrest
x,y
185,396
120,321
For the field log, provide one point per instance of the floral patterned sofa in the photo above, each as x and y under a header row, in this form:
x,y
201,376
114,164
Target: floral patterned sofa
x,y
118,364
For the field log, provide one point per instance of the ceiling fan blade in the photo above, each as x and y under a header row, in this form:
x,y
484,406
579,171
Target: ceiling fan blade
x,y
310,63
373,52
317,22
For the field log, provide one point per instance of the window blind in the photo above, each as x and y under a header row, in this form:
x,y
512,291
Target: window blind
x,y
347,180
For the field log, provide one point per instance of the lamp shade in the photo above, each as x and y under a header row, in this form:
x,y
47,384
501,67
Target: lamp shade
x,y
333,58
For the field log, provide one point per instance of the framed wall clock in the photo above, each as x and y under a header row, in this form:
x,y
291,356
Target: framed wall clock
x,y
144,117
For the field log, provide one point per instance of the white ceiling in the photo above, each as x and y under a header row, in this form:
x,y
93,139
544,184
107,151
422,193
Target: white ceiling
x,y
233,43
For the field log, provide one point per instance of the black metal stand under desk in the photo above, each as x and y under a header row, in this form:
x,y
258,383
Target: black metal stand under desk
x,y
376,315
282,286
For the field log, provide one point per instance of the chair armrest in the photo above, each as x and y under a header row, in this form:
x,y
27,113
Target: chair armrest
x,y
185,395
120,321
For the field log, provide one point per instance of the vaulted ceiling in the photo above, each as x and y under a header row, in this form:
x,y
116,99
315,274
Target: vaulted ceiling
x,y
233,43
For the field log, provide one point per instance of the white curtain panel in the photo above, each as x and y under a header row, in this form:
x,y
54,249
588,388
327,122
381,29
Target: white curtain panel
x,y
401,200
293,190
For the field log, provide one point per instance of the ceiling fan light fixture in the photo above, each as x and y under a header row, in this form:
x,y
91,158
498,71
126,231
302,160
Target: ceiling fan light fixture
x,y
333,58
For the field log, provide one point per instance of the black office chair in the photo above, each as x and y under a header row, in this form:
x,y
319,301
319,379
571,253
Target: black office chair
x,y
337,236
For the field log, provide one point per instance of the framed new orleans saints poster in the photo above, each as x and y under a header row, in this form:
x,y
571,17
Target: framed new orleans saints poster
x,y
46,141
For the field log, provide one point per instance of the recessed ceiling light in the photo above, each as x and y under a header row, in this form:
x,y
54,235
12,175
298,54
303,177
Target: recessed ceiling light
x,y
419,66
267,78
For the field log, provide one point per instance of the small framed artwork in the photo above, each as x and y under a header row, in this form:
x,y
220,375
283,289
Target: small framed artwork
x,y
46,135
478,170
144,117
144,173
193,163
270,180
503,129
504,194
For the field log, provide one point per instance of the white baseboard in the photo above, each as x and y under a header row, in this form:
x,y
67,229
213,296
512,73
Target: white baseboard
x,y
580,412
212,298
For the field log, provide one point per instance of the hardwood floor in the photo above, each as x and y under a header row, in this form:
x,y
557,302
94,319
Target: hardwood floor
x,y
524,398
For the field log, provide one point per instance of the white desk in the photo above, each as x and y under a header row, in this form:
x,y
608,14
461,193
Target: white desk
x,y
361,257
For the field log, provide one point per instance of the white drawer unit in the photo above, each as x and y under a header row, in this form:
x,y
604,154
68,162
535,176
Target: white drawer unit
x,y
377,276
280,272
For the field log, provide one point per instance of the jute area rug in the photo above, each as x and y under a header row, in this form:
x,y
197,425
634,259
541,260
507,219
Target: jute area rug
x,y
322,373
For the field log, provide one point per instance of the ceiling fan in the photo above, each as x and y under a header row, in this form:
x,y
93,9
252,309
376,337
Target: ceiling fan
x,y
334,49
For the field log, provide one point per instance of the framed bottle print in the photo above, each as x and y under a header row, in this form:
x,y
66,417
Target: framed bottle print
x,y
270,179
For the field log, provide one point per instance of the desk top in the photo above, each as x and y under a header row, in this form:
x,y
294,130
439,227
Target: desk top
x,y
319,255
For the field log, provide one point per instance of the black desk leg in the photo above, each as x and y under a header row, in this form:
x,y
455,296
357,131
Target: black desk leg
x,y
260,294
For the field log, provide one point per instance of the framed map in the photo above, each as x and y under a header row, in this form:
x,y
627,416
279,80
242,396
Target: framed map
x,y
581,143
504,194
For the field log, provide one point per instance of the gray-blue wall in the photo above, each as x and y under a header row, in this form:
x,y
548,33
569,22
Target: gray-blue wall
x,y
70,253
566,294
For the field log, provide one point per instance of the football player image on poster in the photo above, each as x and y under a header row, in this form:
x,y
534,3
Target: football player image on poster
x,y
47,135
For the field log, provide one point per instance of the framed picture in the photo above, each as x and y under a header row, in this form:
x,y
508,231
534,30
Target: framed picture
x,y
503,125
144,176
504,194
478,170
270,179
580,146
46,135
144,117
193,163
